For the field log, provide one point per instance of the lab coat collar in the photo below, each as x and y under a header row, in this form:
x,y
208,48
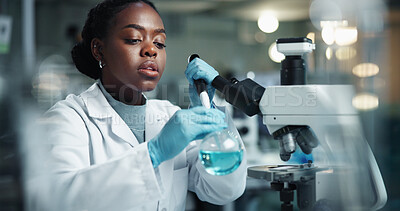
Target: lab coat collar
x,y
97,104
99,109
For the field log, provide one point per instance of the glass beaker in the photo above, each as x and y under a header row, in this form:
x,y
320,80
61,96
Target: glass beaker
x,y
221,152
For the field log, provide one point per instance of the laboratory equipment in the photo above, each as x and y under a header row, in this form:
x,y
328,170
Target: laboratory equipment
x,y
322,121
221,152
288,178
201,84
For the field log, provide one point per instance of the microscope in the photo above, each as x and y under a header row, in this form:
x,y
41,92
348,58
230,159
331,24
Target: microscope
x,y
317,119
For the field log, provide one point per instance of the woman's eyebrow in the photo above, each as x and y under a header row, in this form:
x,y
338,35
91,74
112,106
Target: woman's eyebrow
x,y
159,31
139,27
135,26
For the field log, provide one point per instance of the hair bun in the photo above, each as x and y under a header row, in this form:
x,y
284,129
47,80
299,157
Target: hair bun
x,y
84,61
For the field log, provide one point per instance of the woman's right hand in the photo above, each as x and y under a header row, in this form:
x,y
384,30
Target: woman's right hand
x,y
183,127
199,69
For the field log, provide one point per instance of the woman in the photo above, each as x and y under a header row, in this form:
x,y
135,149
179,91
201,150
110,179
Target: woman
x,y
113,149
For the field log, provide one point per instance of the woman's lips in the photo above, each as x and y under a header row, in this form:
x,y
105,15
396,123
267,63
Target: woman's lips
x,y
149,69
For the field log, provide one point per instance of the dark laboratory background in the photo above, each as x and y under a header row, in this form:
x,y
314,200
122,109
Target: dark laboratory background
x,y
36,70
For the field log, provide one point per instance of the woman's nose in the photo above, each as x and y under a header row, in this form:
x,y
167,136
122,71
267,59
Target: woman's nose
x,y
149,50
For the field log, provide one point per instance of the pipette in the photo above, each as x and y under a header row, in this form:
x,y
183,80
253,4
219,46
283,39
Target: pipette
x,y
201,86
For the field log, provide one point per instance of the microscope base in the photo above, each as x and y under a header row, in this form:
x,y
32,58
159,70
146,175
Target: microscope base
x,y
288,178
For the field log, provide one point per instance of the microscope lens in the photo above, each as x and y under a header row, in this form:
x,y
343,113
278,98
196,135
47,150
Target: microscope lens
x,y
288,142
301,141
283,153
309,137
284,157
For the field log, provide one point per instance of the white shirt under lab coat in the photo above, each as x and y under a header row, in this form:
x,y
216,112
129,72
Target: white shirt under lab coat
x,y
97,163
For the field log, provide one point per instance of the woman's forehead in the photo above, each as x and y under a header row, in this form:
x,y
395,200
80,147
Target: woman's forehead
x,y
140,14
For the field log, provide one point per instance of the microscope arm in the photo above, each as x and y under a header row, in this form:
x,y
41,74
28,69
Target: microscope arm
x,y
244,95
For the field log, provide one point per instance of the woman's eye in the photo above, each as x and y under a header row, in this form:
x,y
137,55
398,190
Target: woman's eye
x,y
132,41
159,45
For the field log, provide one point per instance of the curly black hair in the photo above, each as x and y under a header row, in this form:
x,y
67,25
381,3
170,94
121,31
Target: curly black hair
x,y
97,24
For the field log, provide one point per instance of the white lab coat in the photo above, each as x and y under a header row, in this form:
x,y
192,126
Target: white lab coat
x,y
98,164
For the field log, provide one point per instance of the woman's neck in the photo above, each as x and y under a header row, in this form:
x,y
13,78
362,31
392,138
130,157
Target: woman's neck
x,y
123,93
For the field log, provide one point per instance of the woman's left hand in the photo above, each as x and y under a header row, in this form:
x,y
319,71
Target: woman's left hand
x,y
199,69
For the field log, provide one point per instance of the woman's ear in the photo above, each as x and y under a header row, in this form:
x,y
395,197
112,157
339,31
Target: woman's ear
x,y
96,46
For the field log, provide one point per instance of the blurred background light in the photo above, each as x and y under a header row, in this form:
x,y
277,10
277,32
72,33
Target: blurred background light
x,y
268,23
340,35
336,23
345,35
274,54
49,87
328,35
51,82
365,101
365,70
328,53
345,53
251,75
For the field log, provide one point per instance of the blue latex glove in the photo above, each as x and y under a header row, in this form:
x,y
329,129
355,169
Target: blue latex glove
x,y
194,97
199,69
183,127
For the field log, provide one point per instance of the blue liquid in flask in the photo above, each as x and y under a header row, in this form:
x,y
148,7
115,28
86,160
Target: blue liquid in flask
x,y
220,162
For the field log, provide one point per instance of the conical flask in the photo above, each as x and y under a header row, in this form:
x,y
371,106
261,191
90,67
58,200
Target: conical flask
x,y
221,152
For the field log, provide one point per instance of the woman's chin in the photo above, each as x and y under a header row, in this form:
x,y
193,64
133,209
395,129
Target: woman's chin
x,y
143,87
148,87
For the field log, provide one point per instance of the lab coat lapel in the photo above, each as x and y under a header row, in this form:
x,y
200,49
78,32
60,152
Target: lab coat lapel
x,y
121,129
105,116
155,121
